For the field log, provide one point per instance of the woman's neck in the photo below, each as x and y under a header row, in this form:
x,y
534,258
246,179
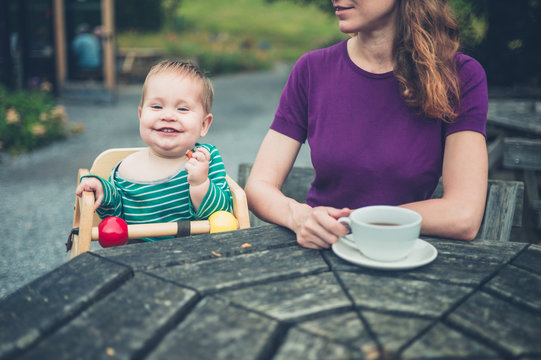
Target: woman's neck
x,y
372,52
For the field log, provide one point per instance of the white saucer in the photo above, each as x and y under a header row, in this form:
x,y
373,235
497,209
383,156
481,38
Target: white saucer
x,y
423,253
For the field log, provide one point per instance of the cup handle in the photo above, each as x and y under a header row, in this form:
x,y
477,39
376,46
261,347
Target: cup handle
x,y
346,221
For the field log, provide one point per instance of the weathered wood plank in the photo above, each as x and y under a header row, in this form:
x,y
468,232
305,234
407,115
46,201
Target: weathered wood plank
x,y
394,330
442,342
532,189
317,347
39,308
520,153
216,329
522,115
495,150
500,323
517,285
525,123
529,259
346,327
500,210
123,325
288,300
399,294
238,271
533,196
525,154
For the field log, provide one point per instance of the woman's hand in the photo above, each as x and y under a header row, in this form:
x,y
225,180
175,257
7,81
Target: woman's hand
x,y
318,228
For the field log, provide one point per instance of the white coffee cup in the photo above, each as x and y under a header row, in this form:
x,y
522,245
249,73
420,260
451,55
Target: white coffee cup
x,y
384,233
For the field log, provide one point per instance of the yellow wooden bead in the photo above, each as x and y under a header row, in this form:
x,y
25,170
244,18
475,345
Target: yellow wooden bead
x,y
222,221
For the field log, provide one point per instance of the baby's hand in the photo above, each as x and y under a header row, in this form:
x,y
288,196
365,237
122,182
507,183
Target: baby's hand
x,y
94,185
197,166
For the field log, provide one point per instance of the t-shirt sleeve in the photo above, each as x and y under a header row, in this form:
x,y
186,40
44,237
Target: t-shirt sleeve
x,y
291,117
473,97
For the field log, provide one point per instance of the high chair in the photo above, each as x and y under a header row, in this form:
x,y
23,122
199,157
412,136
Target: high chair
x,y
85,218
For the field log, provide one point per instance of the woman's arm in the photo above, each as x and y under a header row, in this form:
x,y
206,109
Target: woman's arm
x,y
315,227
458,214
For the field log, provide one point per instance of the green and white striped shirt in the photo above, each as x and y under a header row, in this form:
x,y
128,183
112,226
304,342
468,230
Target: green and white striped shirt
x,y
166,200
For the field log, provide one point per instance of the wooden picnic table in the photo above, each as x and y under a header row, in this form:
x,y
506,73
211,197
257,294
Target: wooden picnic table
x,y
256,294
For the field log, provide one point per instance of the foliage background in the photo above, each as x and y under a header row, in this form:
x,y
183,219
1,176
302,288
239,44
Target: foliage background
x,y
238,35
29,119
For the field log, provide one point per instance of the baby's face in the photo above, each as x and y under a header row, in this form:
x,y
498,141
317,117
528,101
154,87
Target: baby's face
x,y
172,118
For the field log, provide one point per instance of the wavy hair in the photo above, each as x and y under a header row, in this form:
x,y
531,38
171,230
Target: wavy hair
x,y
426,42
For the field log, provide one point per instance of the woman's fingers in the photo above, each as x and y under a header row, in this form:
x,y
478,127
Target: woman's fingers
x,y
321,229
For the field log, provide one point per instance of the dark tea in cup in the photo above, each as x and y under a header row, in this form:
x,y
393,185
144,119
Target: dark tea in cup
x,y
384,233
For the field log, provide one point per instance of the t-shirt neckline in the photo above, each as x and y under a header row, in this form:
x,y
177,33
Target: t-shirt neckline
x,y
359,70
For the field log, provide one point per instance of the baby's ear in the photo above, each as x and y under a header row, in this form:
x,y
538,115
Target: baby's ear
x,y
139,112
205,126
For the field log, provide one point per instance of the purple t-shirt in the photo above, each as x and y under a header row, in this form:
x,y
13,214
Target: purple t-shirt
x,y
367,147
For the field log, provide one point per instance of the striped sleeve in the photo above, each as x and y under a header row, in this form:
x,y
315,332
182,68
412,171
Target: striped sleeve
x,y
218,196
111,204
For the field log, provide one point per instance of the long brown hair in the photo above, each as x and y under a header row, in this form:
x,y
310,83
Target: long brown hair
x,y
426,42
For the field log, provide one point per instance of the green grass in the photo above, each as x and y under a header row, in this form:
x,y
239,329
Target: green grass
x,y
238,35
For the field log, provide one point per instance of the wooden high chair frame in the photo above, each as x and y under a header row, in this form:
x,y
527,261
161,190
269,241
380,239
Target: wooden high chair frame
x,y
84,217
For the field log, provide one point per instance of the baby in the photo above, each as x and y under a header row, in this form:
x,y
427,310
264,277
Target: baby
x,y
175,178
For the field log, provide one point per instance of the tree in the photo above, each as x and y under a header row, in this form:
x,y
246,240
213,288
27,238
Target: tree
x,y
142,15
511,49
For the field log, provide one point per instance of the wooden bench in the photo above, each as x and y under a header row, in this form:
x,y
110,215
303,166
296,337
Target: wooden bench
x,y
503,210
495,139
525,155
513,115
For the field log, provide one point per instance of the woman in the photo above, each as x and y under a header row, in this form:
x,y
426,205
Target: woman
x,y
386,113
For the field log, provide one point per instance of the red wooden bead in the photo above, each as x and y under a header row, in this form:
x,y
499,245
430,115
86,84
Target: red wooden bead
x,y
113,231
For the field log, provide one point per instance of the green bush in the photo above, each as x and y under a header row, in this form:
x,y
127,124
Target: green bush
x,y
220,56
29,119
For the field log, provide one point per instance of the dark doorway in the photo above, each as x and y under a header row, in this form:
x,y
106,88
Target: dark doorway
x,y
28,44
84,40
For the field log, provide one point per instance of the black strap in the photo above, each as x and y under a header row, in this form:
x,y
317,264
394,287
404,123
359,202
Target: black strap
x,y
69,243
183,228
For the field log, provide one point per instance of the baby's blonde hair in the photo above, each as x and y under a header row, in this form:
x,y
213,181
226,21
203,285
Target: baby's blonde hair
x,y
186,68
